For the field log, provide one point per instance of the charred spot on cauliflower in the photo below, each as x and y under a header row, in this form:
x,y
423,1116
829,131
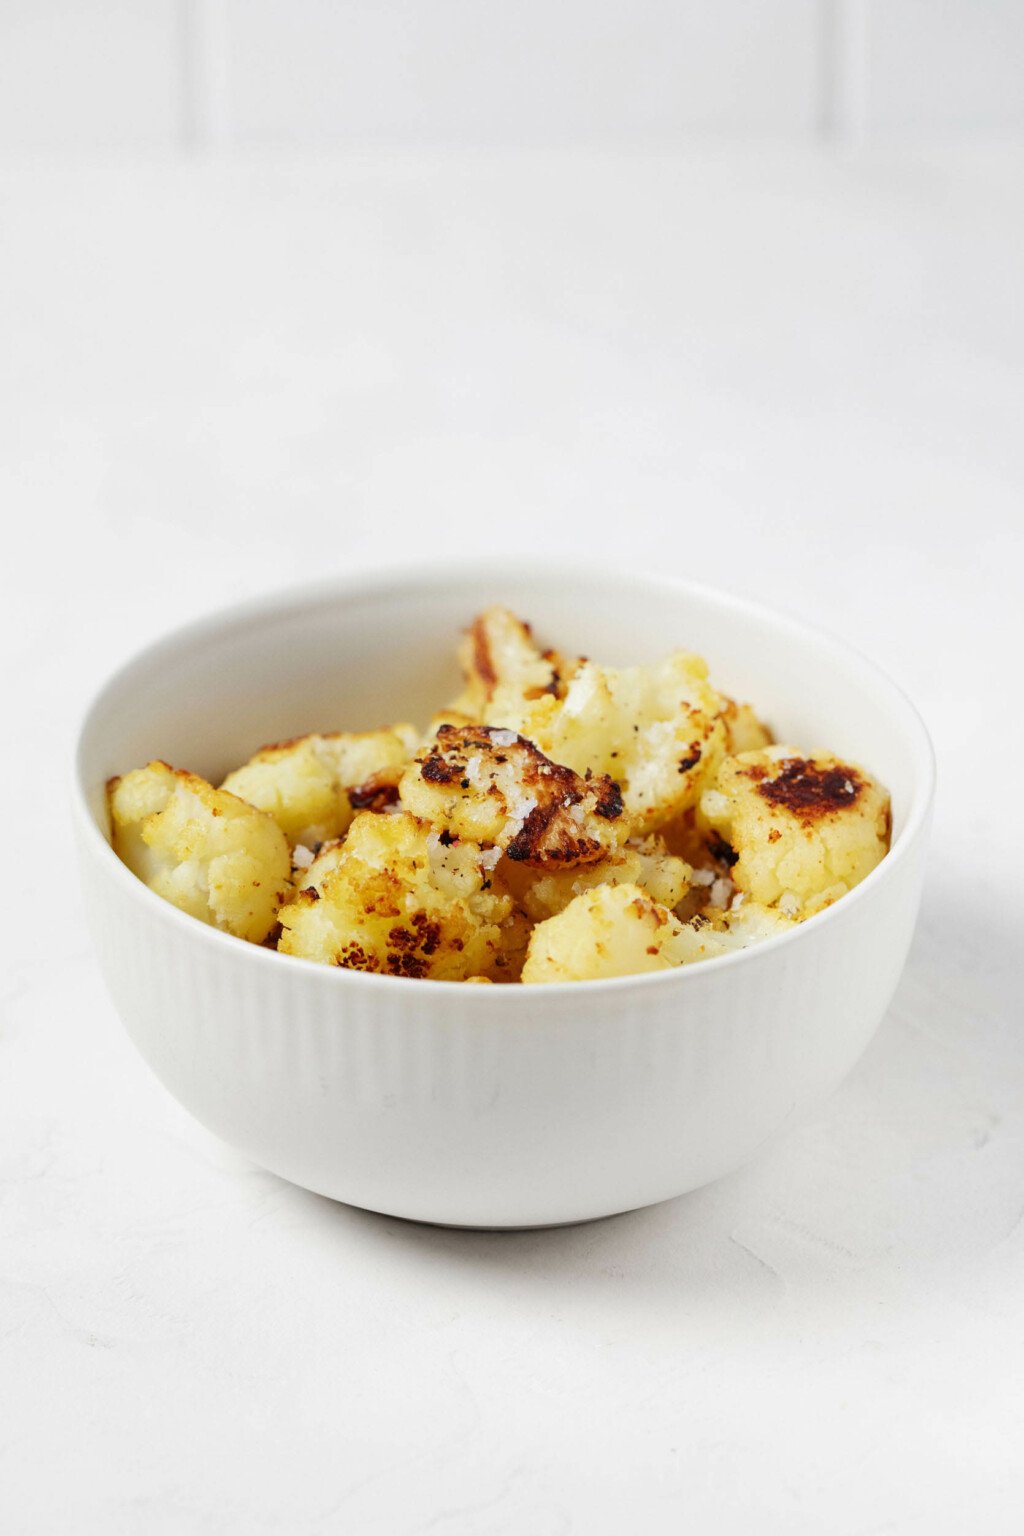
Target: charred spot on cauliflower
x,y
313,785
494,787
203,849
392,897
802,830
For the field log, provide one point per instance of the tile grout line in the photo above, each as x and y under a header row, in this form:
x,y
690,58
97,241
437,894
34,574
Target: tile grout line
x,y
825,116
845,42
203,76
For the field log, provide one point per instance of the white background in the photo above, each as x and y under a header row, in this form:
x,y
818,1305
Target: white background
x,y
793,368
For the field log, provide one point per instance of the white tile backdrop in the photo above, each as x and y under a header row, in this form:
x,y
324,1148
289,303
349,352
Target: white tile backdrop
x,y
222,74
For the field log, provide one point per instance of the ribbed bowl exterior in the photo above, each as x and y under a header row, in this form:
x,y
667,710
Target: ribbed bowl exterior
x,y
431,1103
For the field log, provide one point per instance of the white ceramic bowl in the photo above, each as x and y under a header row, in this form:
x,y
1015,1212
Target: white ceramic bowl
x,y
491,1106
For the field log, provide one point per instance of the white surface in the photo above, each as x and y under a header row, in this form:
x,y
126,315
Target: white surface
x,y
800,378
229,74
491,1107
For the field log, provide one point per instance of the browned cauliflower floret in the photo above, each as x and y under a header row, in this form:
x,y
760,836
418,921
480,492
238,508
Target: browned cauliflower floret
x,y
719,933
494,787
644,863
617,930
397,898
744,732
313,785
802,830
201,848
611,930
655,730
498,650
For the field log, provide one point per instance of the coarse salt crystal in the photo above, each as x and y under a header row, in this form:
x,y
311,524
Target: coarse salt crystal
x,y
720,892
703,877
519,809
473,771
302,857
503,738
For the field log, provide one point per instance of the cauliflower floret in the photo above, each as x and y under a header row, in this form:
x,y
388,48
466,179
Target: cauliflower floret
x,y
704,937
313,785
499,649
749,923
201,848
494,787
744,732
617,930
513,941
647,864
611,930
655,730
395,897
802,830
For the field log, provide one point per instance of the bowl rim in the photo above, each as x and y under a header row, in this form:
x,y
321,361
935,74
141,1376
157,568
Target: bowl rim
x,y
393,581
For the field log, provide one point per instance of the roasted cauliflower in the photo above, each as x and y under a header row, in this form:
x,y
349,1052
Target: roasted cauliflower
x,y
400,898
656,731
618,930
802,830
495,788
201,848
744,732
610,930
645,863
313,785
559,821
706,936
499,651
